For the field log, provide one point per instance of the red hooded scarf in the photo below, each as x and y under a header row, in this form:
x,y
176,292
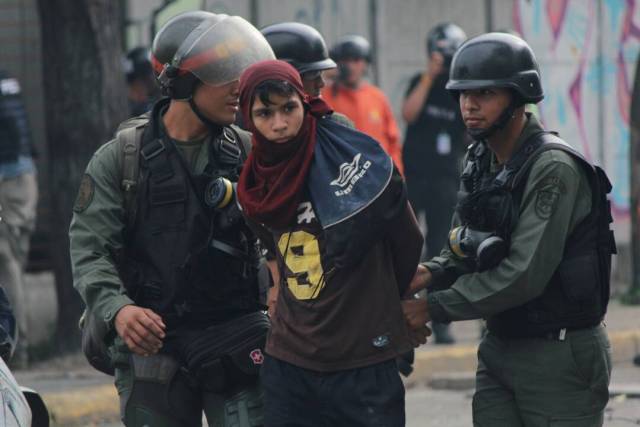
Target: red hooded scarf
x,y
272,182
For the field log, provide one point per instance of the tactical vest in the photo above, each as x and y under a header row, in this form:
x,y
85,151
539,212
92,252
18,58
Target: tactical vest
x,y
15,137
183,259
577,295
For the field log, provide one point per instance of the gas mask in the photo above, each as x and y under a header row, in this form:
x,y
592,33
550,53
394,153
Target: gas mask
x,y
486,248
487,216
220,196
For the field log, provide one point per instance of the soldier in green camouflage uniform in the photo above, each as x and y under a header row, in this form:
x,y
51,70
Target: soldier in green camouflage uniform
x,y
171,278
529,250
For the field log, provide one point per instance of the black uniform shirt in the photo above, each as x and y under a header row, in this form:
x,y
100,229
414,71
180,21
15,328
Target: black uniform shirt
x,y
435,142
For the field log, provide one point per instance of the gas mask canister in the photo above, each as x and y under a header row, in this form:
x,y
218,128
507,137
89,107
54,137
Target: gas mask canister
x,y
220,195
485,247
487,217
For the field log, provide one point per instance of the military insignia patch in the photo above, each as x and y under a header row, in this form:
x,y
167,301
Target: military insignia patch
x,y
547,196
85,193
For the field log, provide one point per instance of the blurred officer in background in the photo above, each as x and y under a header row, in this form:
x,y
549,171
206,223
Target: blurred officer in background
x,y
364,104
142,89
434,145
18,201
303,47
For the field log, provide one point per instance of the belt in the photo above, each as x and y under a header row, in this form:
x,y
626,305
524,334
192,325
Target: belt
x,y
553,335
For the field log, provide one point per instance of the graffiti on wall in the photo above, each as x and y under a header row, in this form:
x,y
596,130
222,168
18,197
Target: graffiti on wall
x,y
587,51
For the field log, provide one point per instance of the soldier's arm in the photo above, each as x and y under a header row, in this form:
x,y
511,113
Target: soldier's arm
x,y
555,199
418,91
96,235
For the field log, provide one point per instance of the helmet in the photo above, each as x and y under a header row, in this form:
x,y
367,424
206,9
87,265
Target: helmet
x,y
300,45
204,47
137,64
445,38
351,47
497,60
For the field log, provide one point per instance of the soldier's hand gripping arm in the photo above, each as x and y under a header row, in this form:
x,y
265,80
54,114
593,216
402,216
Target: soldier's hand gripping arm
x,y
96,240
556,198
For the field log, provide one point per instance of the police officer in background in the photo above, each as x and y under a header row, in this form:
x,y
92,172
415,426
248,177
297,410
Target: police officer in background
x,y
160,252
530,251
142,89
434,144
303,47
18,202
363,103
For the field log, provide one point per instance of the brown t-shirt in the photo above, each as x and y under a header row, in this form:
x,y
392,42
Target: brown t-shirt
x,y
333,320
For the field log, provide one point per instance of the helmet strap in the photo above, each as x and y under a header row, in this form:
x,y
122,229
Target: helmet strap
x,y
214,128
500,123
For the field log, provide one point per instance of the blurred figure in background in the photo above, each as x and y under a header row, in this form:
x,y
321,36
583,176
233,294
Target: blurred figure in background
x,y
365,104
434,144
142,89
303,47
18,200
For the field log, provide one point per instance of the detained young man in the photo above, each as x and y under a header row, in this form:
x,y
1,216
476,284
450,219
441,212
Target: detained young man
x,y
328,202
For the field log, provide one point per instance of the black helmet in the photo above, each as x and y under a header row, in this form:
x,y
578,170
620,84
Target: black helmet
x,y
137,64
497,60
445,38
202,46
300,45
351,47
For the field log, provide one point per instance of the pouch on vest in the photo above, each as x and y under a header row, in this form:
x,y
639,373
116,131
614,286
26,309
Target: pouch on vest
x,y
226,354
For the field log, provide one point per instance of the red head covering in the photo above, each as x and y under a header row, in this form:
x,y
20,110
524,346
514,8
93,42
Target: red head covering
x,y
272,182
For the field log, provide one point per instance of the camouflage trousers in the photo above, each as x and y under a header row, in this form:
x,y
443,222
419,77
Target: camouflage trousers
x,y
559,381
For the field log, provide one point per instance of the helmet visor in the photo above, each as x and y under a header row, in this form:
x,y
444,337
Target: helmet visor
x,y
220,53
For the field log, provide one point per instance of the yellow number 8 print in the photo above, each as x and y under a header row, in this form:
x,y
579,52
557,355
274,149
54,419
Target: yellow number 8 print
x,y
302,255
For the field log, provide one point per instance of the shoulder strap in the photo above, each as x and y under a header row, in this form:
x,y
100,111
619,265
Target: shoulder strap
x,y
129,141
538,144
598,181
245,141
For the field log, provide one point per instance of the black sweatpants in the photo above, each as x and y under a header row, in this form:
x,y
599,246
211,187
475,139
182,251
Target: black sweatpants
x,y
372,396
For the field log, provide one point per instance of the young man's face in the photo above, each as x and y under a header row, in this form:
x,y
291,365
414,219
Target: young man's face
x,y
281,119
480,108
218,103
313,82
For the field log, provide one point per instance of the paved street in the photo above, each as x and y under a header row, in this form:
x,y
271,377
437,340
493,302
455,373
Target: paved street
x,y
80,396
425,407
435,408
